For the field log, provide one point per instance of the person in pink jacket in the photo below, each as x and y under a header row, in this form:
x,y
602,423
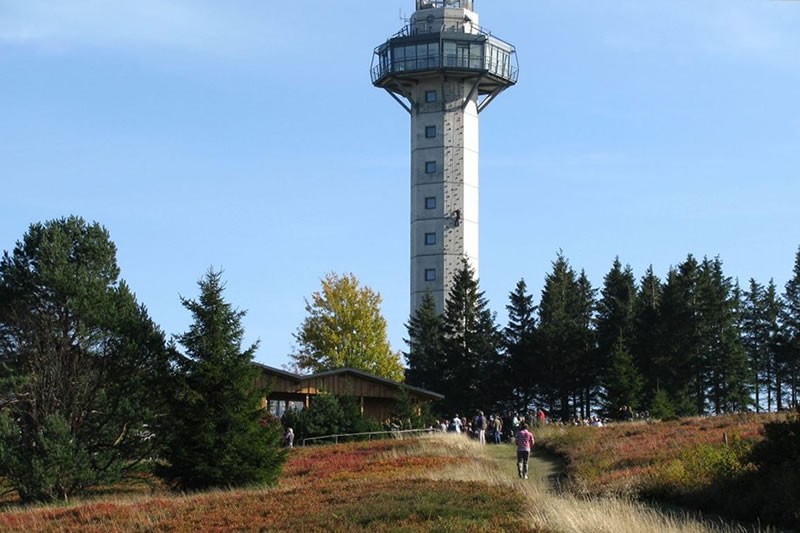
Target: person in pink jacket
x,y
524,444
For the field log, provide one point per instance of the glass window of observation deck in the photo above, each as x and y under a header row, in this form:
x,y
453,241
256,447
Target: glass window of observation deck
x,y
414,57
463,55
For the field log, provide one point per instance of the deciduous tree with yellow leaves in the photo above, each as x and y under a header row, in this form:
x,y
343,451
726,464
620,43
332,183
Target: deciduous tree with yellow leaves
x,y
345,329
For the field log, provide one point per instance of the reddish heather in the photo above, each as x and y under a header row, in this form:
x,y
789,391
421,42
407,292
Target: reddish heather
x,y
353,487
622,456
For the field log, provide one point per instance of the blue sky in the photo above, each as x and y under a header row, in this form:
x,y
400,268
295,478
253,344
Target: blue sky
x,y
246,135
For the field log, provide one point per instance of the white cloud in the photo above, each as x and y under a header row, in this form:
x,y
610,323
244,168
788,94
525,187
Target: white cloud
x,y
209,28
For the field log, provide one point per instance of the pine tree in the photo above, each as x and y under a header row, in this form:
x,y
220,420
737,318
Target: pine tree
x,y
790,319
472,361
220,437
645,343
615,321
83,362
615,310
425,346
589,364
755,336
623,382
773,310
562,337
678,364
520,345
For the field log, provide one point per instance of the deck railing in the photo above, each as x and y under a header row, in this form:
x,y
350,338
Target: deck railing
x,y
430,4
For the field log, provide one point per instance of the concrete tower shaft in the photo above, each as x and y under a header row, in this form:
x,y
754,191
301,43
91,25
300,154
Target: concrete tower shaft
x,y
444,69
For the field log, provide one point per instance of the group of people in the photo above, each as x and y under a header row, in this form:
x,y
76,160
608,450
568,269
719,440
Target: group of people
x,y
496,428
593,421
516,430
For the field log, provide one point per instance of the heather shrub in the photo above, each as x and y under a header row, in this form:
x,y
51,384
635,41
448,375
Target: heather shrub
x,y
775,486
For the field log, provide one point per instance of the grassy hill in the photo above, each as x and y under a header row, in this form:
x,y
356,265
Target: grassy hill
x,y
380,486
442,483
703,463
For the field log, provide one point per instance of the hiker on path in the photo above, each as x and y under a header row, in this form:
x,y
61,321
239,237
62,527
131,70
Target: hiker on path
x,y
524,444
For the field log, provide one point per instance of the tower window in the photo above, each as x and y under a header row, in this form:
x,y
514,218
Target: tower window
x,y
430,167
430,202
430,97
430,274
430,132
430,239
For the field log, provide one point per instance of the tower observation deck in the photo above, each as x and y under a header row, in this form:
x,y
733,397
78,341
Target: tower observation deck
x,y
444,69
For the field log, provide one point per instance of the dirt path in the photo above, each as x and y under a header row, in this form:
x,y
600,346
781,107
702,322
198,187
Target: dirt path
x,y
544,468
549,471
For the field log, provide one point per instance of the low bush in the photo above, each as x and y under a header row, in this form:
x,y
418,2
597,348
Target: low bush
x,y
775,486
328,415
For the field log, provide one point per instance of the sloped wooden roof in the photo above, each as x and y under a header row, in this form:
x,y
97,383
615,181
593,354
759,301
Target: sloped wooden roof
x,y
300,378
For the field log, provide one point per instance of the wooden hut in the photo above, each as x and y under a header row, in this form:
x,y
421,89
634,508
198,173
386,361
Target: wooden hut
x,y
377,396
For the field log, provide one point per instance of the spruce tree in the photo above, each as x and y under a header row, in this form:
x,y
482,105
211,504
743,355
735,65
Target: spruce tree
x,y
615,321
615,309
561,335
755,336
645,342
219,437
773,310
790,319
425,346
520,345
623,383
589,364
725,363
472,361
677,363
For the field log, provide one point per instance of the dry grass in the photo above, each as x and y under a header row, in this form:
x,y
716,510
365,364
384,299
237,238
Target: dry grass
x,y
443,483
375,487
557,513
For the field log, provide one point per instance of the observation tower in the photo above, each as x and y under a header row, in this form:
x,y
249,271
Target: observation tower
x,y
444,69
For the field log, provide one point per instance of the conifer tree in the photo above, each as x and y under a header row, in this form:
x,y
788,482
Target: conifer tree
x,y
645,343
773,309
472,361
589,364
755,336
623,382
220,437
83,368
678,364
561,335
615,309
615,315
520,345
790,318
425,346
